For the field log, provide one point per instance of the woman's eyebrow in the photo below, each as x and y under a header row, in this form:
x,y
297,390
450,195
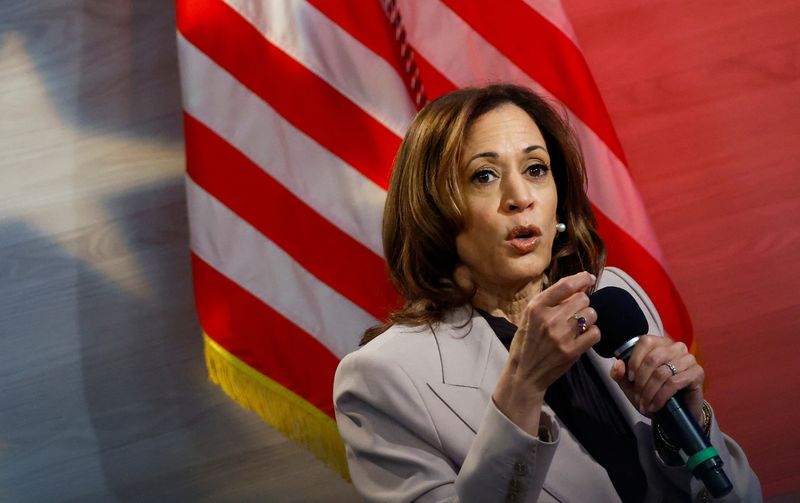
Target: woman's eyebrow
x,y
494,155
491,155
531,148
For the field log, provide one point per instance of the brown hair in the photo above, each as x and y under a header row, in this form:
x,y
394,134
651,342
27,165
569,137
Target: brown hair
x,y
424,207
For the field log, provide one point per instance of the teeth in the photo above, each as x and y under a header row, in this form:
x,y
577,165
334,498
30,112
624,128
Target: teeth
x,y
522,233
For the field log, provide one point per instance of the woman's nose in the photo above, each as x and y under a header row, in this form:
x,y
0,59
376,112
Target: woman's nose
x,y
517,195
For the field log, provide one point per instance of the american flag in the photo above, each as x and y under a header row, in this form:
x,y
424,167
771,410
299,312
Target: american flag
x,y
293,112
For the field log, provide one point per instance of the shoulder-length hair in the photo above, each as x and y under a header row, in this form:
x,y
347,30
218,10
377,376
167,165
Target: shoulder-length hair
x,y
424,209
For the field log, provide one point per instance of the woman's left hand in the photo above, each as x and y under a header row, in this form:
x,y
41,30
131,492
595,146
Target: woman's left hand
x,y
653,380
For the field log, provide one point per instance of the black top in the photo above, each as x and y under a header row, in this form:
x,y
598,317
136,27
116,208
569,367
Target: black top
x,y
581,401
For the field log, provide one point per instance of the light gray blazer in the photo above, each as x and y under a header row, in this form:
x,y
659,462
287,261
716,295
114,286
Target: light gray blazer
x,y
414,409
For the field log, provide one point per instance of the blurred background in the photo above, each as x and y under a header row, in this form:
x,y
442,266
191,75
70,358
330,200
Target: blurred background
x,y
103,388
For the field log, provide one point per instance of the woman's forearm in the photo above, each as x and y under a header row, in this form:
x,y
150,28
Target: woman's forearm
x,y
520,402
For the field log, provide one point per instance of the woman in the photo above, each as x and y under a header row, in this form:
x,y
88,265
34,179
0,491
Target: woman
x,y
483,386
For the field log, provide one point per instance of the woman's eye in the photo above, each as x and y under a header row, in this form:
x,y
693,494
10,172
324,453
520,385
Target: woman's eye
x,y
483,176
537,170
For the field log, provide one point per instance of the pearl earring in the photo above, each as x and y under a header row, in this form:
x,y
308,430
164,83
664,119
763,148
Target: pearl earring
x,y
561,227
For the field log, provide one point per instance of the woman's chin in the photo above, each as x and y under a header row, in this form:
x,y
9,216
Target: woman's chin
x,y
529,268
518,279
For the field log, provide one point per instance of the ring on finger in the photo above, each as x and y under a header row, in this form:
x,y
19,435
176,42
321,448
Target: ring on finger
x,y
671,368
583,324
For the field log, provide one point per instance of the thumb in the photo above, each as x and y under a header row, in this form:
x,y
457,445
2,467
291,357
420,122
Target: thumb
x,y
618,375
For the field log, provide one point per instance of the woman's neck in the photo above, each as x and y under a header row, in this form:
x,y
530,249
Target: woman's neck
x,y
507,303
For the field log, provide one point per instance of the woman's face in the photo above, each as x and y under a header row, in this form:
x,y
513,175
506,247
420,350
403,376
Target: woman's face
x,y
510,197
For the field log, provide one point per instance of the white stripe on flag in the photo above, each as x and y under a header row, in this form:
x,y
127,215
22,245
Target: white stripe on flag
x,y
245,256
438,33
331,187
553,11
319,44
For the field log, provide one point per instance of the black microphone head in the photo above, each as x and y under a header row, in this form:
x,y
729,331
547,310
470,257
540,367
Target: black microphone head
x,y
619,319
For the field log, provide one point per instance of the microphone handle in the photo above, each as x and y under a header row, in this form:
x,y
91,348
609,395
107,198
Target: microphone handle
x,y
695,448
682,430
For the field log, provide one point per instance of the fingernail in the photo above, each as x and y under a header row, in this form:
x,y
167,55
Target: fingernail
x,y
630,376
594,278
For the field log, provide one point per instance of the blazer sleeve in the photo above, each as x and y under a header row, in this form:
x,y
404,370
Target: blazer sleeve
x,y
746,486
394,452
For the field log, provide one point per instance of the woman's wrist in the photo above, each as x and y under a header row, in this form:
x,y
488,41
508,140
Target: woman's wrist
x,y
522,407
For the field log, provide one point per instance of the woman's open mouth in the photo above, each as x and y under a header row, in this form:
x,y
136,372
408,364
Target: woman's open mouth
x,y
524,238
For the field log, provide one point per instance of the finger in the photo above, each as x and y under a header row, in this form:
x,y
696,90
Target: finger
x,y
661,350
619,375
653,365
641,348
690,376
573,305
580,322
659,379
587,313
586,340
565,287
559,321
650,352
662,380
693,377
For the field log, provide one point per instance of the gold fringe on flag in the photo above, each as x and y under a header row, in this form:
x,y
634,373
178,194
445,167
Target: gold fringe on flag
x,y
280,408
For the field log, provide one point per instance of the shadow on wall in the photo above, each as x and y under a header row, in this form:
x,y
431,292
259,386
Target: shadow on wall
x,y
104,390
159,428
140,350
105,394
124,79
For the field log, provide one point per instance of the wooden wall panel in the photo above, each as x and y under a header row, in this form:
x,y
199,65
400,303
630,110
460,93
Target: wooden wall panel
x,y
103,387
103,393
705,97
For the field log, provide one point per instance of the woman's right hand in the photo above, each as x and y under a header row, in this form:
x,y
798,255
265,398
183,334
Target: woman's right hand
x,y
548,341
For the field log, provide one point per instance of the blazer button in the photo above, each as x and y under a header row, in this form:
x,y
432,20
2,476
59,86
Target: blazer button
x,y
520,468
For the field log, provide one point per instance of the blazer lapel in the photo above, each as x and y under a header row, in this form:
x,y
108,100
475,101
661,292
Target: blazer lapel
x,y
471,361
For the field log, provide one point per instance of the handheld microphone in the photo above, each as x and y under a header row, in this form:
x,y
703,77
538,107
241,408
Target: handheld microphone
x,y
621,323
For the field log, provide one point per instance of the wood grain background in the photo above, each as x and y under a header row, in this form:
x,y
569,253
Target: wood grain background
x,y
705,97
103,392
103,388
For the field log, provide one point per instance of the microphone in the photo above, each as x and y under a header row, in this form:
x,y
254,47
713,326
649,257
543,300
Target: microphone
x,y
621,323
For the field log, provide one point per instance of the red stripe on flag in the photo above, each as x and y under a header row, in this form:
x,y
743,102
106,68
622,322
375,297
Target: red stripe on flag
x,y
436,84
301,97
627,254
263,338
320,247
542,51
